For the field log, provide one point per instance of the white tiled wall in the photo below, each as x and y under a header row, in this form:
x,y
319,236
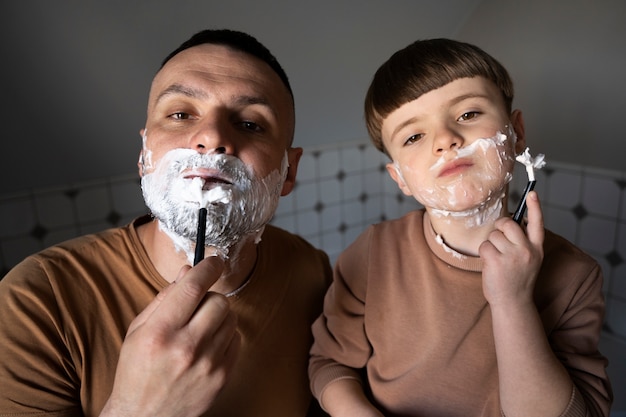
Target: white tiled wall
x,y
342,189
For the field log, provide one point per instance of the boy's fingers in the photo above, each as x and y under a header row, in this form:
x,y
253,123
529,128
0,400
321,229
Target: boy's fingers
x,y
534,228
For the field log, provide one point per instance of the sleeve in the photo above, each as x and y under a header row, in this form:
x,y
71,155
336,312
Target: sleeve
x,y
575,342
36,370
341,348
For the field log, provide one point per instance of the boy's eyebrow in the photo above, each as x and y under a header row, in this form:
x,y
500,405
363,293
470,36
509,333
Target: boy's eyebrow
x,y
403,125
455,100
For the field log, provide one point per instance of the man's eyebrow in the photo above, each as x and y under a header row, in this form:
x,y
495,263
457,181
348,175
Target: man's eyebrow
x,y
243,100
175,89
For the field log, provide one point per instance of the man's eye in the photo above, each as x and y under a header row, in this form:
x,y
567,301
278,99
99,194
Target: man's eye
x,y
247,125
413,138
468,115
179,115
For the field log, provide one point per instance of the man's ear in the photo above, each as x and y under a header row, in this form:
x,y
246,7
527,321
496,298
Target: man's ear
x,y
293,158
394,173
517,121
140,160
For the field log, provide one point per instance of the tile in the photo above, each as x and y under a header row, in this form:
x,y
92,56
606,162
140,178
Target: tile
x,y
620,245
373,158
307,167
55,209
373,208
16,217
287,222
307,223
596,235
353,212
93,203
332,242
330,218
329,164
622,214
618,282
351,159
351,187
94,227
314,240
616,316
305,196
286,204
371,181
601,196
15,250
126,197
564,189
562,222
60,235
330,191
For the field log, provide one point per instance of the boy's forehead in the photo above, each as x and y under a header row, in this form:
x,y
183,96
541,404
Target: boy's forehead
x,y
441,99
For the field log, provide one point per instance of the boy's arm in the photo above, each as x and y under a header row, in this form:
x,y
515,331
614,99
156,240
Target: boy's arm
x,y
340,345
533,381
345,397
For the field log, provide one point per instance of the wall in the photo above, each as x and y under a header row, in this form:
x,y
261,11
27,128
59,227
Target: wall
x,y
76,74
342,189
567,58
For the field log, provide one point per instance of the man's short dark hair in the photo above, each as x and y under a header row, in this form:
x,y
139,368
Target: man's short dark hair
x,y
238,41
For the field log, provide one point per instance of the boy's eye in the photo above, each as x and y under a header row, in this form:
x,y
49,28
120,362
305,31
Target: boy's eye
x,y
413,138
468,115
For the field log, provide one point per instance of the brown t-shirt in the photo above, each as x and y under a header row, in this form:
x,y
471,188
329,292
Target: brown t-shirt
x,y
64,313
411,312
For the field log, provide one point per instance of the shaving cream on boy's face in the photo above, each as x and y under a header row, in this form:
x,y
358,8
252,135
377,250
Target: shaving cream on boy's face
x,y
238,202
465,182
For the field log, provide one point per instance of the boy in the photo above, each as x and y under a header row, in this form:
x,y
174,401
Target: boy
x,y
456,310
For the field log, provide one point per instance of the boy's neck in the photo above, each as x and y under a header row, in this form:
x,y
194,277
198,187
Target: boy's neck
x,y
465,232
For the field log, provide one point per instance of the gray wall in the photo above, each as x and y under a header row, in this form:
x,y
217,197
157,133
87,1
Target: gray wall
x,y
75,74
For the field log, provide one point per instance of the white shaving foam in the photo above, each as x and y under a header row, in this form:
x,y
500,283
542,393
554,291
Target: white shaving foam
x,y
531,163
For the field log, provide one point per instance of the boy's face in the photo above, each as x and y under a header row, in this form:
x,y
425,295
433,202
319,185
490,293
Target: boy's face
x,y
453,148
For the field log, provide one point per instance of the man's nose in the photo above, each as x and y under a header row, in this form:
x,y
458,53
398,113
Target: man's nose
x,y
212,137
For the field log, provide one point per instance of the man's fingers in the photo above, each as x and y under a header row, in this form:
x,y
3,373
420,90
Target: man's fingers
x,y
182,300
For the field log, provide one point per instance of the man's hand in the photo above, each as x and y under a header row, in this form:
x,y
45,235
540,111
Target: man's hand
x,y
512,257
179,351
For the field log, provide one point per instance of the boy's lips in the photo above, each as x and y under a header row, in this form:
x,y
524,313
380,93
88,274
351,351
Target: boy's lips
x,y
454,167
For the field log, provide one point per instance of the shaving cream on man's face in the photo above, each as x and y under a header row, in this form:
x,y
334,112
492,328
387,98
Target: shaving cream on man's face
x,y
238,202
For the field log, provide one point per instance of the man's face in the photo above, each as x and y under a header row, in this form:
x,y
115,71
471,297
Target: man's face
x,y
218,135
453,147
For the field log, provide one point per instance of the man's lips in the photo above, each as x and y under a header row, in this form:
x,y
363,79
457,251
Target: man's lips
x,y
454,167
210,177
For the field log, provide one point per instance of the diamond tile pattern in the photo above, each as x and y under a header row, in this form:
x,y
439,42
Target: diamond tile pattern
x,y
340,191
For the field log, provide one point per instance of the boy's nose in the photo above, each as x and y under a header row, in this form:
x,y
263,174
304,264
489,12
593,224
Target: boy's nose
x,y
446,140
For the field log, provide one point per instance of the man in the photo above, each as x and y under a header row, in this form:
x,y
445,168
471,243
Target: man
x,y
119,323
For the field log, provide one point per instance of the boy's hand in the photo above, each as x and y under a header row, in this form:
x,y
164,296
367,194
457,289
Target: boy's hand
x,y
512,258
179,351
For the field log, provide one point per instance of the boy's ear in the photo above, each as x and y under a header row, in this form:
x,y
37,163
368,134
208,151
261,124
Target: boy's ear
x,y
517,121
395,175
